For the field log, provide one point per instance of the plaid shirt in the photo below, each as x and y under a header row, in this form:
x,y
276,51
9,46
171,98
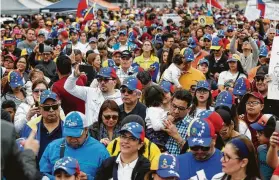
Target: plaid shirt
x,y
182,126
123,75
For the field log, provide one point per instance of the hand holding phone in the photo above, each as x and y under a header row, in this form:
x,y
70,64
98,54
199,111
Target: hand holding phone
x,y
69,49
41,48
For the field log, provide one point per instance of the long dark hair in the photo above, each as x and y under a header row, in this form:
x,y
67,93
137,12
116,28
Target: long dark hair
x,y
195,103
240,69
261,28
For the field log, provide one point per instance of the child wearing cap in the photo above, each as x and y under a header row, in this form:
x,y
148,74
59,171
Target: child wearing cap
x,y
66,168
173,72
265,126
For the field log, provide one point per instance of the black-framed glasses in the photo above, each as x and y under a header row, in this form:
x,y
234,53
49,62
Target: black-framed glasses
x,y
227,158
253,103
104,79
202,91
129,138
178,107
38,90
202,148
113,117
48,107
259,78
124,90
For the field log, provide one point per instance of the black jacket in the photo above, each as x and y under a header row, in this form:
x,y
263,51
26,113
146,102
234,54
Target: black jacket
x,y
109,169
218,66
16,164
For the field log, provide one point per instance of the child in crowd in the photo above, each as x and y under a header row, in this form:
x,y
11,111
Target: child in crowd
x,y
67,168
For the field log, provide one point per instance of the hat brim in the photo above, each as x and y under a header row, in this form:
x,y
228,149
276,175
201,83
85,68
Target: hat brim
x,y
207,88
44,100
127,86
73,132
239,92
257,126
192,47
232,60
223,104
215,47
102,75
15,85
205,141
68,170
127,130
166,173
247,95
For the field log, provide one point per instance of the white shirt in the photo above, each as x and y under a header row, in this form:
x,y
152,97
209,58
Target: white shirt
x,y
125,172
226,76
172,74
155,117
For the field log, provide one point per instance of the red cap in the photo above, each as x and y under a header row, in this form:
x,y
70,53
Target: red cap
x,y
64,34
254,94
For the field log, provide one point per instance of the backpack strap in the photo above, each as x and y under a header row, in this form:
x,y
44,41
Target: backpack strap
x,y
149,147
114,146
62,148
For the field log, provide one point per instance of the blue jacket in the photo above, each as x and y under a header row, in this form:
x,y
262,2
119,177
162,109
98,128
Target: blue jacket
x,y
131,46
90,156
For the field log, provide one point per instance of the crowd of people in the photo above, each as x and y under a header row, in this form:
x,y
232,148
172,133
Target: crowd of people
x,y
130,95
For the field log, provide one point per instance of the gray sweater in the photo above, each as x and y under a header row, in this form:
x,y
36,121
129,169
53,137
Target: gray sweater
x,y
250,61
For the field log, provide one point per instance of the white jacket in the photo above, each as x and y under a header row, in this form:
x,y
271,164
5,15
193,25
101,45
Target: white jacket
x,y
93,98
155,117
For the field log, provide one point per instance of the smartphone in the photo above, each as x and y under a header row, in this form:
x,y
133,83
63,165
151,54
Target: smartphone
x,y
41,48
37,104
54,42
89,71
69,49
240,26
277,127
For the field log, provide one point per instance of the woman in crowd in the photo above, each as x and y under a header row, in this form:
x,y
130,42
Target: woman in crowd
x,y
25,112
108,125
164,64
131,149
22,66
199,33
259,27
94,60
239,160
202,99
203,67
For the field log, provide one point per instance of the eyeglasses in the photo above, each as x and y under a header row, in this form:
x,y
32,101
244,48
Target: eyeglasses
x,y
202,91
113,117
48,107
104,79
227,158
229,31
259,78
124,90
196,148
38,90
177,107
252,103
129,138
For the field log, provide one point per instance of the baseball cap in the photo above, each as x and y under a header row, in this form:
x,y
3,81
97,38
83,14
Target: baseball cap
x,y
230,28
15,79
115,52
93,39
193,42
254,94
225,115
213,117
209,25
262,71
217,43
263,51
241,86
132,83
9,42
133,118
165,165
47,94
47,48
113,28
221,34
124,32
68,164
203,60
263,122
207,36
266,21
74,124
41,33
225,98
10,55
135,129
107,72
167,86
203,84
234,58
189,55
200,133
102,36
126,53
64,33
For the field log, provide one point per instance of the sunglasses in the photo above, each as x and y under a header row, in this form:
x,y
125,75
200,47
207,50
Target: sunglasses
x,y
104,79
38,90
214,50
229,31
259,78
124,90
196,148
113,117
53,107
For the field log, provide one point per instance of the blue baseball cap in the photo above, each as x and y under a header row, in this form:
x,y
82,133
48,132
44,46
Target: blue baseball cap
x,y
68,164
207,36
132,83
200,133
192,42
189,55
221,34
203,84
93,39
107,72
123,32
224,98
230,28
47,94
113,28
241,86
263,51
203,60
167,86
166,166
15,79
135,129
217,43
74,124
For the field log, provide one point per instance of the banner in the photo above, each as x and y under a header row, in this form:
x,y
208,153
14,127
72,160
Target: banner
x,y
204,20
175,17
273,71
252,13
271,11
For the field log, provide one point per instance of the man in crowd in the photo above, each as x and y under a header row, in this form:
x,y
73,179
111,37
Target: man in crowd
x,y
124,43
10,107
168,41
198,52
125,69
10,47
207,38
77,144
28,43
